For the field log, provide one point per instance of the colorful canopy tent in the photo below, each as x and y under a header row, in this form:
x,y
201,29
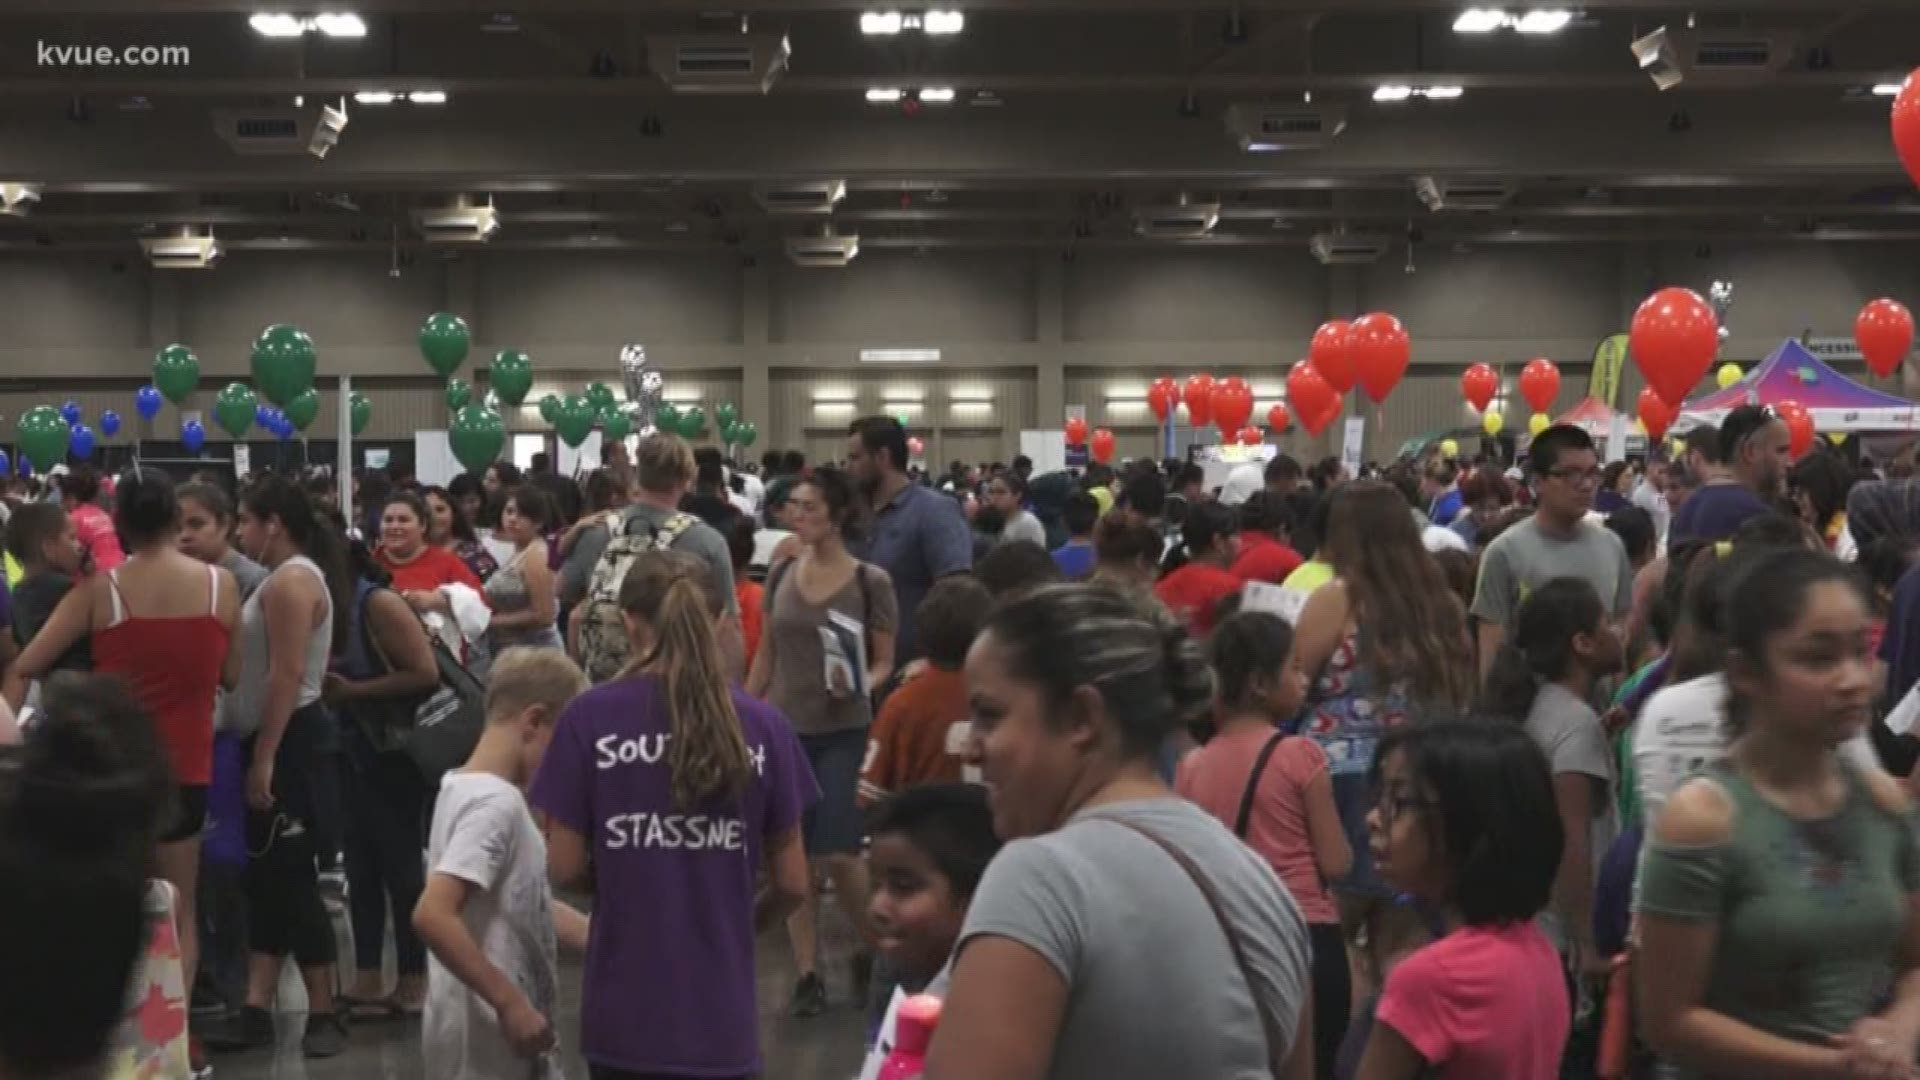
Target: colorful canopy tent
x,y
1596,418
1794,374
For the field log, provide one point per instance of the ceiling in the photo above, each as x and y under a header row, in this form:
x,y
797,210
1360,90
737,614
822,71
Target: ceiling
x,y
1072,118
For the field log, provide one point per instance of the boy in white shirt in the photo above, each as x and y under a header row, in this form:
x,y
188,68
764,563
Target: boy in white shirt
x,y
487,915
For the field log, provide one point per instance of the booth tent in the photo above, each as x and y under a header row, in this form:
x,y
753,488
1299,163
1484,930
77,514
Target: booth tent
x,y
1791,373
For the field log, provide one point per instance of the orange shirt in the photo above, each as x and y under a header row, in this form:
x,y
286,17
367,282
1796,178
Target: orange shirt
x,y
749,594
918,736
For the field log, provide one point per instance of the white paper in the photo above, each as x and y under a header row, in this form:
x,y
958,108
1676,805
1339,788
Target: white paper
x,y
378,459
1901,720
1350,449
1268,597
433,460
1048,449
843,646
1617,438
242,461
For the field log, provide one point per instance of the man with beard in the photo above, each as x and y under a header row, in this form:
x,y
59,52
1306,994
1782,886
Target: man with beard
x,y
914,533
1754,445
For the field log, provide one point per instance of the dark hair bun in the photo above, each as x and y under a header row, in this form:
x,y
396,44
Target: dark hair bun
x,y
144,505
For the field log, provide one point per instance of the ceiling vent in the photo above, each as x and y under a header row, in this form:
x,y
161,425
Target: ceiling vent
x,y
17,198
823,250
719,63
265,131
456,224
186,251
804,197
1266,126
1185,220
1735,52
1347,249
1468,195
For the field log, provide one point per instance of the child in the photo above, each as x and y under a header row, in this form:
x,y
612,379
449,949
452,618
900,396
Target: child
x,y
488,916
1076,557
42,537
922,729
1465,822
750,593
930,845
1275,793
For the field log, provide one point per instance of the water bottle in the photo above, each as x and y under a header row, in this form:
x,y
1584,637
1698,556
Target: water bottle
x,y
912,1034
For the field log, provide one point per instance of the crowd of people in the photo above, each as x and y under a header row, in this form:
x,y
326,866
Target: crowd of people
x,y
1461,768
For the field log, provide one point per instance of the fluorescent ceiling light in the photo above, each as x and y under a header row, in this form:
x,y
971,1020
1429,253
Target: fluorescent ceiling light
x,y
428,97
1479,21
1397,92
340,24
880,22
899,356
375,97
268,24
1548,21
971,396
1442,93
936,95
834,397
883,95
682,395
1392,93
1886,89
944,22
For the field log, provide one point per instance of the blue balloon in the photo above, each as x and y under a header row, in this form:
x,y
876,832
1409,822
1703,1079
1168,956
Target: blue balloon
x,y
193,436
6,466
147,401
25,466
109,423
263,416
70,412
81,444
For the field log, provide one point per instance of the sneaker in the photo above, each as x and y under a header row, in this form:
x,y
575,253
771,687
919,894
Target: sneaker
x,y
326,1036
197,1067
809,997
207,1003
333,891
244,1030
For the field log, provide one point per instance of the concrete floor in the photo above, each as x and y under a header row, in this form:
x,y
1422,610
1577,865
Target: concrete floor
x,y
828,1047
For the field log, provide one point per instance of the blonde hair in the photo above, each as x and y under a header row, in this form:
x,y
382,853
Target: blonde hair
x,y
664,462
674,594
522,678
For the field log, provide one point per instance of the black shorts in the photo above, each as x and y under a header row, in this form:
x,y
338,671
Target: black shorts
x,y
190,814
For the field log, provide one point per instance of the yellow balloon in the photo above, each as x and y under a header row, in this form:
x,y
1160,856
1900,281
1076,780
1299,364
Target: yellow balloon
x,y
1450,448
1837,438
1492,423
1728,375
1539,422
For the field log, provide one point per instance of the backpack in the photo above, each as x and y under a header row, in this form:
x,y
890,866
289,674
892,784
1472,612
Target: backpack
x,y
604,649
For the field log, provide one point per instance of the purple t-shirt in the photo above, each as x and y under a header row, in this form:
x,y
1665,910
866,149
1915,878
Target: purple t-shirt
x,y
1714,513
669,985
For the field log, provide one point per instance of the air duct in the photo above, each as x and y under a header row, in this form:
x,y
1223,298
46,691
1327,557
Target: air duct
x,y
1270,126
1347,249
719,63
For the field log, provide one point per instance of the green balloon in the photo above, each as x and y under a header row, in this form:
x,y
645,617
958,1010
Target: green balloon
x,y
459,392
234,409
511,376
42,434
444,339
666,417
303,408
600,396
359,411
283,363
477,436
574,420
550,407
747,431
726,414
615,425
176,371
693,423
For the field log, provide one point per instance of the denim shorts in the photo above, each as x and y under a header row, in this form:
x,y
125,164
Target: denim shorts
x,y
833,826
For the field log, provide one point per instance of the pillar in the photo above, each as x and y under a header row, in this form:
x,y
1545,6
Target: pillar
x,y
756,392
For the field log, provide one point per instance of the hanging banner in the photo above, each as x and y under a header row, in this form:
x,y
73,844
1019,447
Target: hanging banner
x,y
1609,363
1617,438
1350,448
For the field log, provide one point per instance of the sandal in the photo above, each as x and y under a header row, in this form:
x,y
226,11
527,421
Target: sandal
x,y
371,1009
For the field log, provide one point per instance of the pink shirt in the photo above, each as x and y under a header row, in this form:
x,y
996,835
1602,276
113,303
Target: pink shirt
x,y
1214,778
94,528
1482,1002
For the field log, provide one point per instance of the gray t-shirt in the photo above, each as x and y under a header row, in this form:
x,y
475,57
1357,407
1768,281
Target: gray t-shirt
x,y
1152,987
701,541
1569,733
1024,526
793,626
1523,558
247,573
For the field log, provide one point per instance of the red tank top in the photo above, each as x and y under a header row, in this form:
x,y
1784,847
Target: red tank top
x,y
173,666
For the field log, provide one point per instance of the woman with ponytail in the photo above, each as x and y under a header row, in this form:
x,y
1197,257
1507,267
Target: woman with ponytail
x,y
1123,933
665,791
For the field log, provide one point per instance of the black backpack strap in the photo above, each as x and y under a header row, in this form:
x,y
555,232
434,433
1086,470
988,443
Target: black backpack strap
x,y
776,574
1245,817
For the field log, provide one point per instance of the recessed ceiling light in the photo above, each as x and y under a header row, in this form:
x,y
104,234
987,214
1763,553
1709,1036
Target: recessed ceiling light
x,y
1487,20
936,95
268,24
375,97
1442,93
1479,21
1392,93
1550,21
1886,89
1401,92
880,22
883,95
340,24
944,22
428,97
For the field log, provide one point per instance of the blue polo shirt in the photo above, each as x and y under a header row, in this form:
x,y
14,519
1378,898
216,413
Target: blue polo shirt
x,y
918,537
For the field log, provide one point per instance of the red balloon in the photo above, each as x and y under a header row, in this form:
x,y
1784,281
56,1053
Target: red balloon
x,y
1884,332
1163,397
1381,351
1331,354
1540,384
1655,414
1249,436
1277,418
1101,446
1076,431
1232,403
915,446
1799,426
1313,399
1674,339
1199,398
1906,125
1478,384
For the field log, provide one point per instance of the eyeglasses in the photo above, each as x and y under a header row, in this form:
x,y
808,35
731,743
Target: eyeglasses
x,y
1576,477
1393,804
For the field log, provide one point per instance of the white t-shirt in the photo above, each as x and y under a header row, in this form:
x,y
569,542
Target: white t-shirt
x,y
1683,731
482,833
